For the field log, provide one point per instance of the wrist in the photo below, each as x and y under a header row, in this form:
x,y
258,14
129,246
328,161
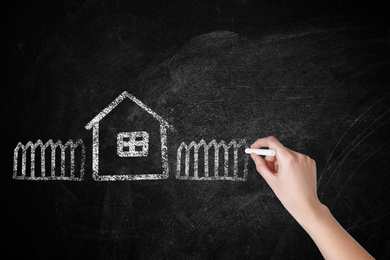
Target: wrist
x,y
314,216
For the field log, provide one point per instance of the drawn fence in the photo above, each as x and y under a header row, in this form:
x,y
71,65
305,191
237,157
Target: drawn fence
x,y
20,171
236,144
44,176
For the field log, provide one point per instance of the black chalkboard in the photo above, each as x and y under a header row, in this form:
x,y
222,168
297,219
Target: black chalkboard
x,y
167,73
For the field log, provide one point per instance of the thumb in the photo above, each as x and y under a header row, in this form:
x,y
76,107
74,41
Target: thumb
x,y
262,168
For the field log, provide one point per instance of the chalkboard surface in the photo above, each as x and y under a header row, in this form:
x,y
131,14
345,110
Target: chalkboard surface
x,y
138,86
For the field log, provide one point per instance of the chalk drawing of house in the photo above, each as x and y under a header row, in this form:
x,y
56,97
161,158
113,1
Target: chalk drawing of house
x,y
133,144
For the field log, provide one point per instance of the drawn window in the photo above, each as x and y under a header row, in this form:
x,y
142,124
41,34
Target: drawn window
x,y
133,144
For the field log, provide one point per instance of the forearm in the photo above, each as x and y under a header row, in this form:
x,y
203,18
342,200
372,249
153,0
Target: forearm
x,y
331,238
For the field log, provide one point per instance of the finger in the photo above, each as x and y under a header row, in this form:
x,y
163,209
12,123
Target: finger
x,y
262,168
276,167
270,158
272,143
271,166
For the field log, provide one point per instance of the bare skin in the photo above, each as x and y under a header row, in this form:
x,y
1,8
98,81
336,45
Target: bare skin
x,y
293,178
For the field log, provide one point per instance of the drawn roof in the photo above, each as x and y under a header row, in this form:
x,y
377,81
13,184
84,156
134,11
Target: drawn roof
x,y
116,102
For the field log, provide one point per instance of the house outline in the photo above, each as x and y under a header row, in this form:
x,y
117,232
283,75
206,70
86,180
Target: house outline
x,y
94,125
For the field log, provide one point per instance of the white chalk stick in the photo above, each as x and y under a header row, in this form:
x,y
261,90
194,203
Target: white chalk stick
x,y
268,152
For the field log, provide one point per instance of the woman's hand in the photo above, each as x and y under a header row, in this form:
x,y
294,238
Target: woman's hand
x,y
292,176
